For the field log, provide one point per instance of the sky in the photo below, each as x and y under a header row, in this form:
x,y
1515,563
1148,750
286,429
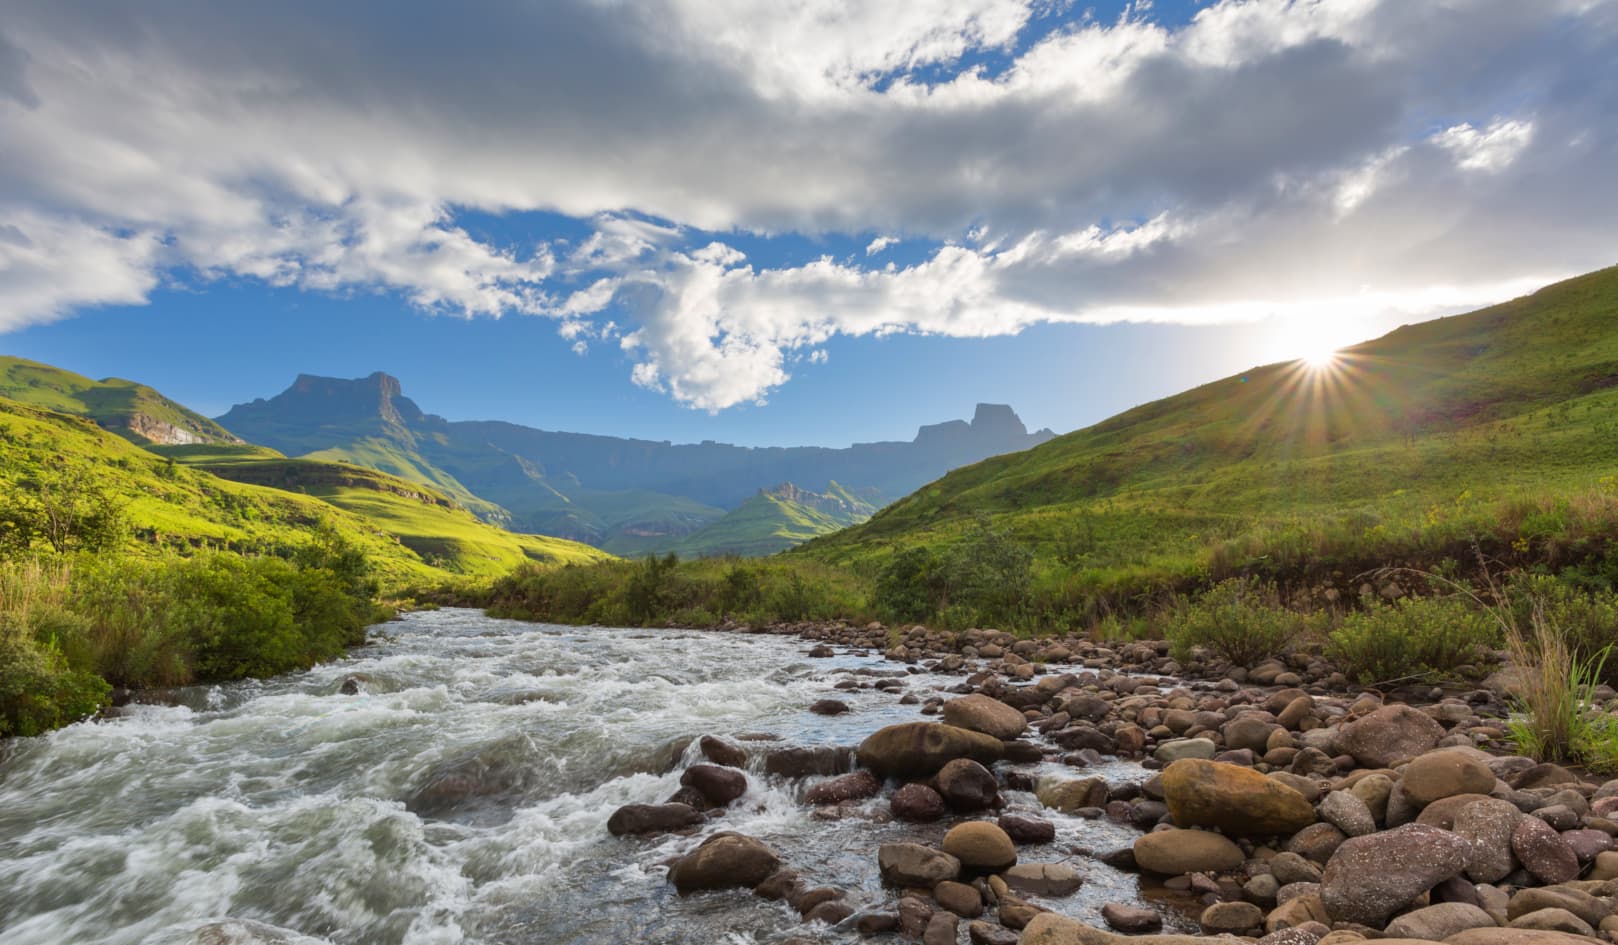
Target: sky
x,y
777,223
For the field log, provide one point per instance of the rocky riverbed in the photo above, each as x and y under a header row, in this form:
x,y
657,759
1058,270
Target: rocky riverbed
x,y
470,780
1280,804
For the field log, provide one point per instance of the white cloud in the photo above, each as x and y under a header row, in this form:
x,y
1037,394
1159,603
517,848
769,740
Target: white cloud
x,y
1492,149
1273,156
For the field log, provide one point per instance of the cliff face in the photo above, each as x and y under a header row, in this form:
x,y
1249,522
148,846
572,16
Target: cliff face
x,y
157,431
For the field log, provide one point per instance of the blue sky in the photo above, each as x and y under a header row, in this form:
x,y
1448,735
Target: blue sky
x,y
699,220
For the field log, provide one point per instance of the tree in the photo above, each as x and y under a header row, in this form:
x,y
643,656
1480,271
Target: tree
x,y
66,507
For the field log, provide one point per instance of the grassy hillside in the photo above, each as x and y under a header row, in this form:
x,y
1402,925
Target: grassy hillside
x,y
774,520
1499,426
132,410
409,535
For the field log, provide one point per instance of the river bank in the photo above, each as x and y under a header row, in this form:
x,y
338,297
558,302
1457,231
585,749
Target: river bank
x,y
462,779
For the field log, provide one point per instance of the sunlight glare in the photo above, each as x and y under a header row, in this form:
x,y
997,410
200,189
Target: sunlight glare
x,y
1319,356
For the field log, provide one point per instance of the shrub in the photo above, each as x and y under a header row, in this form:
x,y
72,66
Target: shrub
x,y
1556,718
1241,619
1586,620
1412,637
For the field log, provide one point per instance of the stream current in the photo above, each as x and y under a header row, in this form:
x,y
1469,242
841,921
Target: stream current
x,y
460,796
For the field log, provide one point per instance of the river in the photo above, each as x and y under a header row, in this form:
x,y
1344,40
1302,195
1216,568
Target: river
x,y
461,796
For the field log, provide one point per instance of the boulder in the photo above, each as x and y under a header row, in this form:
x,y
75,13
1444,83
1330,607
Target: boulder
x,y
1071,794
652,818
919,749
980,845
801,762
959,898
1370,878
1445,773
1554,920
1389,735
1590,909
719,784
967,786
721,752
1172,751
1543,852
850,787
1346,812
1514,937
1231,918
1131,920
828,707
1043,879
1173,852
980,713
917,804
1048,928
1027,829
1234,799
911,864
1488,824
724,861
1436,923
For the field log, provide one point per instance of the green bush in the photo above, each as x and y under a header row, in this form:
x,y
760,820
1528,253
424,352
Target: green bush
x,y
1241,619
38,690
1412,637
1586,619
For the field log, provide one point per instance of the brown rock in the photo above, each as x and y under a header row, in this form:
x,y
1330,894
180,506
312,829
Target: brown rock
x,y
1445,773
1370,878
917,803
919,749
980,713
1173,852
980,845
723,861
1234,799
1389,735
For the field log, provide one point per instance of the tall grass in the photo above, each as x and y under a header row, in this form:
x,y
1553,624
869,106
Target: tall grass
x,y
1557,718
70,628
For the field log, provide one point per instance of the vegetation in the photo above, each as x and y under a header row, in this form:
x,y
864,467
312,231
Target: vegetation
x,y
133,410
665,590
1556,717
1241,619
772,521
122,567
1496,430
1414,638
410,534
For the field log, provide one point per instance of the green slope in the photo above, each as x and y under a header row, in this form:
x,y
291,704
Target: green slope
x,y
774,520
410,536
1503,420
129,409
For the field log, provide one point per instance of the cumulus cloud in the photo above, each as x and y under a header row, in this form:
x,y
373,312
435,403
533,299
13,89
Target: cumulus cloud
x,y
1271,158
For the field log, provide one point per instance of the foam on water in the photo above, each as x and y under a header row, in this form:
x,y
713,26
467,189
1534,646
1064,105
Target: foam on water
x,y
462,796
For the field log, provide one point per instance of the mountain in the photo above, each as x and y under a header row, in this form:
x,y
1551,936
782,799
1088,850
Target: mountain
x,y
1494,431
776,519
260,501
131,410
624,495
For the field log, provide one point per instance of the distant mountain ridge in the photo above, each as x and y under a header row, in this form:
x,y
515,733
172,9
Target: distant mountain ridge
x,y
624,495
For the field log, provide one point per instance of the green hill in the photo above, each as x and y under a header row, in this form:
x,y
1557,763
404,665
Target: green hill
x,y
774,520
131,410
411,534
1498,428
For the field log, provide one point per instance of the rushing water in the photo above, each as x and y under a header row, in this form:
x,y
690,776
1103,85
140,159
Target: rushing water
x,y
461,796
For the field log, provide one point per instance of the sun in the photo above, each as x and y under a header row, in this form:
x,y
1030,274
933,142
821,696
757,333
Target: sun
x,y
1320,356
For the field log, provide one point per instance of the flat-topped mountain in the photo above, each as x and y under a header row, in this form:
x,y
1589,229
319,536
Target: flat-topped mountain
x,y
623,494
